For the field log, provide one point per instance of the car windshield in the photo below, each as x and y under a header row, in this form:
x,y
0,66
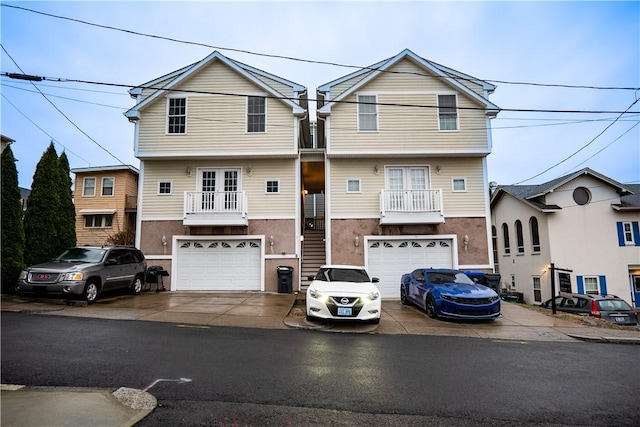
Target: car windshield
x,y
443,277
81,255
343,275
613,305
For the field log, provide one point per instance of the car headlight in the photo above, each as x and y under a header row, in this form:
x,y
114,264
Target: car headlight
x,y
75,276
448,297
372,296
317,295
23,275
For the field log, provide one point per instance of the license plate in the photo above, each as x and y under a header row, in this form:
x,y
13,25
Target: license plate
x,y
344,311
620,319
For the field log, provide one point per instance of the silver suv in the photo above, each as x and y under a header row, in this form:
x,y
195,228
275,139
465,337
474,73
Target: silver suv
x,y
86,271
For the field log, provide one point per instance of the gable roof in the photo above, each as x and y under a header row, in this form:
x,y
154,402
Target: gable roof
x,y
448,75
533,195
255,75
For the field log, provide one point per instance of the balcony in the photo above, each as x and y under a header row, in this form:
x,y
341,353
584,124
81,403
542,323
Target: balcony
x,y
215,208
411,207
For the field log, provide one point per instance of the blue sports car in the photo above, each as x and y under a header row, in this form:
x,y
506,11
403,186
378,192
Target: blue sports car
x,y
449,293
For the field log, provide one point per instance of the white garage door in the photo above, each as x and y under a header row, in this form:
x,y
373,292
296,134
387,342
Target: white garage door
x,y
218,265
390,259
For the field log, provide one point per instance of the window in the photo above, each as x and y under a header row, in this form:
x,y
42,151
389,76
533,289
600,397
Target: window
x,y
107,186
494,242
519,237
513,281
447,112
628,233
537,290
272,187
591,285
581,196
353,186
505,237
459,185
256,114
89,187
535,235
98,221
164,187
367,113
177,115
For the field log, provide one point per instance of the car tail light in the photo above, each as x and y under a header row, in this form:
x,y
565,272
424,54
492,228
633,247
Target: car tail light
x,y
594,309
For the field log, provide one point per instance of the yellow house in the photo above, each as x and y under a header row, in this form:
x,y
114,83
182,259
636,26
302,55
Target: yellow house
x,y
105,198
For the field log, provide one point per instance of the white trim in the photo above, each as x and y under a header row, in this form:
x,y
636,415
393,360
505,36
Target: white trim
x,y
246,114
95,185
266,181
452,237
166,116
457,178
170,182
358,191
97,211
376,114
457,129
113,187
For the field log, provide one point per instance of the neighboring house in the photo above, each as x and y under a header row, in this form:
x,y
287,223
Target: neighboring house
x,y
219,196
404,181
24,197
584,223
105,198
4,142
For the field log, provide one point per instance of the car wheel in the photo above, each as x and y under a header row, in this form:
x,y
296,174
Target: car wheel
x,y
136,286
310,318
431,307
91,291
403,295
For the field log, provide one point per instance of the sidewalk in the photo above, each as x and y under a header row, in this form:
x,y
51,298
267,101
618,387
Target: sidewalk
x,y
125,407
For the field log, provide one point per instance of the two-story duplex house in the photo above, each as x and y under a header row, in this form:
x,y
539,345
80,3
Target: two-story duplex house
x,y
405,181
584,223
105,202
219,192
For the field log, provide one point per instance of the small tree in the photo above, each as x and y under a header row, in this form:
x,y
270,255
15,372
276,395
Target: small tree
x,y
42,216
67,225
11,217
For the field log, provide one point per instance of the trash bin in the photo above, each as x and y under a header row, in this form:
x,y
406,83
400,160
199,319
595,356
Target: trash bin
x,y
285,279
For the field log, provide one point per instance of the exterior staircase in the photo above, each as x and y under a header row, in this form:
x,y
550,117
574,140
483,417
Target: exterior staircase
x,y
313,256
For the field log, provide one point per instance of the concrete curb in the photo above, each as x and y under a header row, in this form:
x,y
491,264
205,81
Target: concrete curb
x,y
608,340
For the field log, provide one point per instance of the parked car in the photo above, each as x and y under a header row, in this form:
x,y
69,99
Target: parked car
x,y
86,271
343,292
606,307
449,293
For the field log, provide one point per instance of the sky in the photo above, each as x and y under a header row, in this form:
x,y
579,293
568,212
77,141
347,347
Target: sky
x,y
562,69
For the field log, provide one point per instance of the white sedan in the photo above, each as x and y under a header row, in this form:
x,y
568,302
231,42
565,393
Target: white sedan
x,y
343,292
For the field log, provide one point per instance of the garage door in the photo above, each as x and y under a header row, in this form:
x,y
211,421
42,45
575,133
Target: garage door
x,y
390,259
218,265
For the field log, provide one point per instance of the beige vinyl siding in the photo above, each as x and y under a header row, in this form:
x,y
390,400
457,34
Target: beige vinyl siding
x,y
216,123
367,203
407,128
282,88
260,203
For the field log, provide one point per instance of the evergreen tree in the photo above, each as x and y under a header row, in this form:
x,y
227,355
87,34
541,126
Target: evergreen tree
x,y
43,215
67,225
11,217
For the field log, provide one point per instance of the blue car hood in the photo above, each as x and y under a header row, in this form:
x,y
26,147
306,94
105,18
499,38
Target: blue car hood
x,y
465,290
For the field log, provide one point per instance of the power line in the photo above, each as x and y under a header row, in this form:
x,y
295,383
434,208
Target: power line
x,y
62,113
67,98
108,27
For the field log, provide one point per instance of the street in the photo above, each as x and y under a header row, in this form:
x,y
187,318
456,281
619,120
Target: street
x,y
243,376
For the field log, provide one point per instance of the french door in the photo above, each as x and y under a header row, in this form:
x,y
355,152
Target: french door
x,y
219,188
407,188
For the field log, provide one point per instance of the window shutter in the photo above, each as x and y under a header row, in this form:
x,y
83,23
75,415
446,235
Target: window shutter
x,y
636,232
620,234
580,282
603,285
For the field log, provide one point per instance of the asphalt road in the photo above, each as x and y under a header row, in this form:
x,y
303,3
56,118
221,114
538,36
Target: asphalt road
x,y
241,376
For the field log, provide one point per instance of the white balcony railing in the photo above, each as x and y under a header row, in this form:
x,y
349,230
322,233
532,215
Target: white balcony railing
x,y
411,206
215,208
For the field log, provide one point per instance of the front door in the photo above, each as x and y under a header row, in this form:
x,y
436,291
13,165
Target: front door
x,y
219,189
635,283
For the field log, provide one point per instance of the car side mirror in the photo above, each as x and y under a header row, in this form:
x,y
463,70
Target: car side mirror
x,y
311,277
375,280
110,262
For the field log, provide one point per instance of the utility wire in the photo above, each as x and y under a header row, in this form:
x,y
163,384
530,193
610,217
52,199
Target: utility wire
x,y
67,98
108,27
42,130
581,148
63,114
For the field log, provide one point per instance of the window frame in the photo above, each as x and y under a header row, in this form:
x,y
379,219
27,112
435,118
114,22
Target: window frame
x,y
170,127
84,186
271,181
537,288
629,239
534,228
361,114
357,181
113,186
519,237
591,279
442,114
505,239
249,114
106,221
464,182
170,183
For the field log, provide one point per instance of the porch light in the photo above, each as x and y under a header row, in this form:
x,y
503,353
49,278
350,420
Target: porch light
x,y
376,170
249,171
188,171
356,241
